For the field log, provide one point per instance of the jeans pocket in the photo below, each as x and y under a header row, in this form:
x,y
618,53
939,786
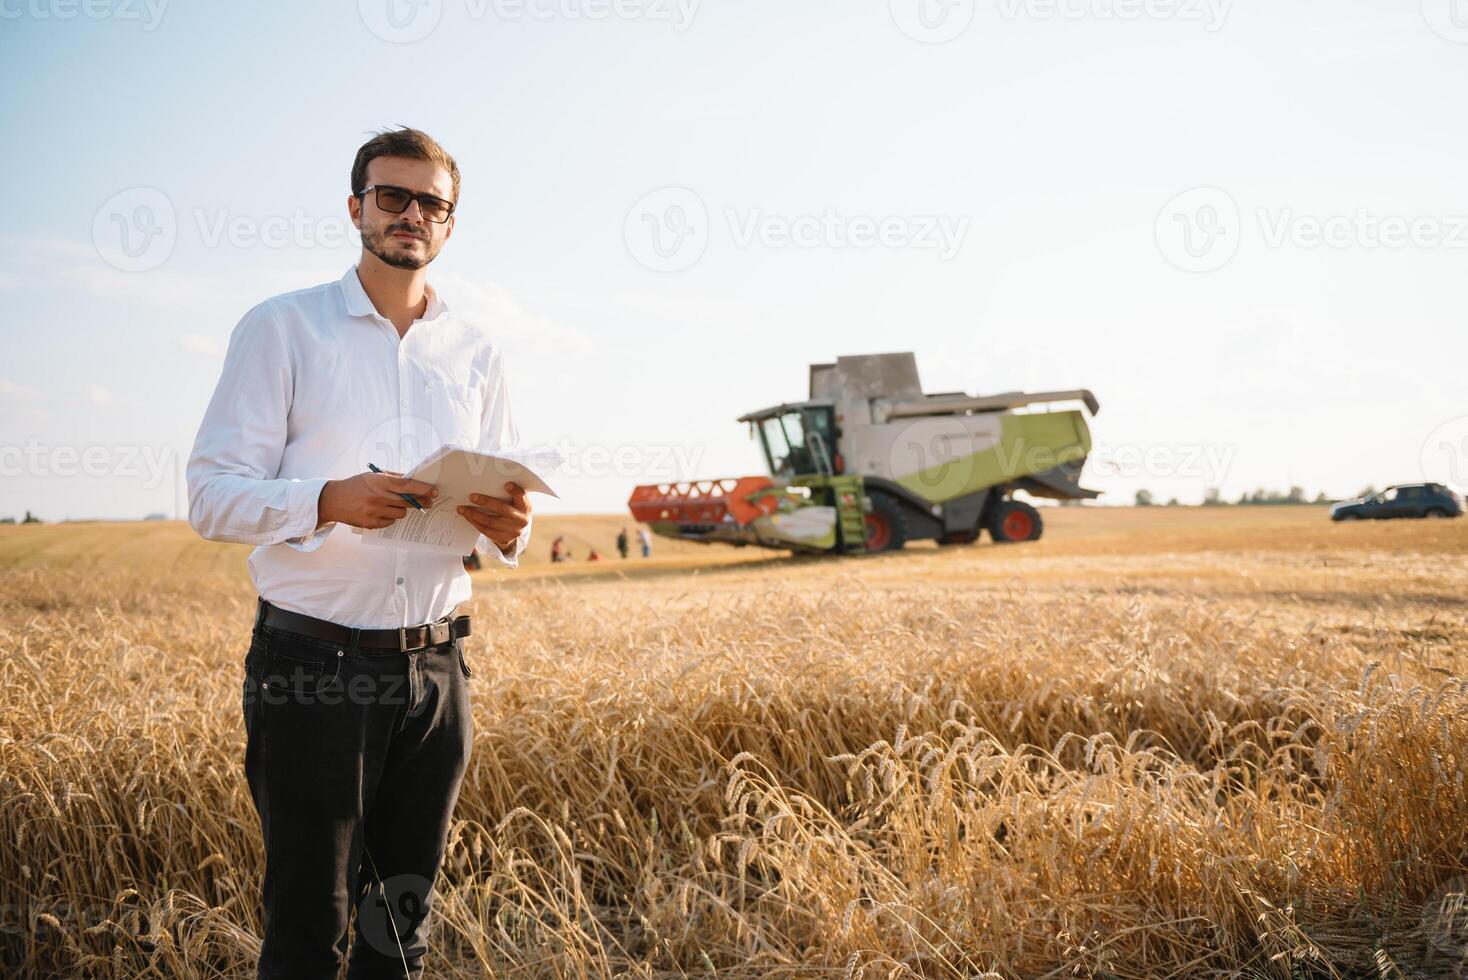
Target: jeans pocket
x,y
299,673
252,668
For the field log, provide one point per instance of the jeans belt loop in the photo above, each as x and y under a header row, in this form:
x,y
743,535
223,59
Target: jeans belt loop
x,y
356,634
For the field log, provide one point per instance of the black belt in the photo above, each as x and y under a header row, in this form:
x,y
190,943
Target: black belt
x,y
401,639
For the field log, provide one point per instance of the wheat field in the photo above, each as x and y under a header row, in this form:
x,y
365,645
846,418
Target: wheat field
x,y
1168,742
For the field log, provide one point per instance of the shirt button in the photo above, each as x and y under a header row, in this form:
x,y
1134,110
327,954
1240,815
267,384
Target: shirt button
x,y
400,580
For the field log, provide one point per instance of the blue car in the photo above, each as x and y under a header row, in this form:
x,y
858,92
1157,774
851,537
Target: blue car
x,y
1402,500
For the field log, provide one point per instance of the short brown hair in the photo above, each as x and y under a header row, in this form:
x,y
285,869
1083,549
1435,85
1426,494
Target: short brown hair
x,y
404,142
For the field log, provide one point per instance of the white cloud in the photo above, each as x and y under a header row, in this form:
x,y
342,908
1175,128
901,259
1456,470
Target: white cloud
x,y
197,343
51,264
156,287
490,305
50,248
11,391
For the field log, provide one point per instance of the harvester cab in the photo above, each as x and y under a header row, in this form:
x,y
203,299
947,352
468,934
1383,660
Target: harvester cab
x,y
869,462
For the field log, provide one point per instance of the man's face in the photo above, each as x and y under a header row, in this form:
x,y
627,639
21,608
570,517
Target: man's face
x,y
407,240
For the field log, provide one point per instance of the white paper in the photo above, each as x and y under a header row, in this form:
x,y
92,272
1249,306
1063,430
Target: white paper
x,y
456,473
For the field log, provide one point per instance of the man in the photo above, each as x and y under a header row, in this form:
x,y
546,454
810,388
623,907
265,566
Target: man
x,y
356,703
622,543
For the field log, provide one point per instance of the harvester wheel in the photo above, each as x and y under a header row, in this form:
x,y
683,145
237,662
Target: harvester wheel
x,y
1015,520
886,524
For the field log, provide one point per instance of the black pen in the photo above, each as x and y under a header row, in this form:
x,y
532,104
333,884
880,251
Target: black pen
x,y
373,468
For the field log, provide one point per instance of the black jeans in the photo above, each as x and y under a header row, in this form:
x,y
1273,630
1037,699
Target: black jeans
x,y
354,759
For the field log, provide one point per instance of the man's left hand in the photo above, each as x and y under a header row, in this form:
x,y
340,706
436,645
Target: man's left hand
x,y
501,521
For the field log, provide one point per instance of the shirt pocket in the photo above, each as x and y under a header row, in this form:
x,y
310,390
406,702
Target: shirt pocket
x,y
455,413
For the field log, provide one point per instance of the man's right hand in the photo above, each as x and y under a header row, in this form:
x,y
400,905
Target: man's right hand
x,y
370,500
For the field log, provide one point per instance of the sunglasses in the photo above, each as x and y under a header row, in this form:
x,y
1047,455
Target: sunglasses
x,y
395,200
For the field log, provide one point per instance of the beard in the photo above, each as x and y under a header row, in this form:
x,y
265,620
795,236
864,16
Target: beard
x,y
397,253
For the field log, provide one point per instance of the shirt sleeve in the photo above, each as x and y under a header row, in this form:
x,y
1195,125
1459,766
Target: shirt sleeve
x,y
497,432
234,492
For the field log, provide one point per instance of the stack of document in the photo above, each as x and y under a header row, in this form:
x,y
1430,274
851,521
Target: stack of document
x,y
458,472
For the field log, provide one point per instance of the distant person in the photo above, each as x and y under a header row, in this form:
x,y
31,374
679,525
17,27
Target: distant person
x,y
356,666
644,539
622,543
594,556
558,549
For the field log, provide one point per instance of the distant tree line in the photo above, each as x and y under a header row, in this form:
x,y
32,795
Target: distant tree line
x,y
1261,495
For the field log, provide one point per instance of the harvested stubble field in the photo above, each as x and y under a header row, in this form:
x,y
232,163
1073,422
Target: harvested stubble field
x,y
1168,742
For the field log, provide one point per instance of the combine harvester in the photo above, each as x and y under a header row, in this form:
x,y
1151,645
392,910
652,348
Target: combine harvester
x,y
869,463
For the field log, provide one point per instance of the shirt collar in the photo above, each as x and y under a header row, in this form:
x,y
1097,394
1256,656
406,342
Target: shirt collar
x,y
360,304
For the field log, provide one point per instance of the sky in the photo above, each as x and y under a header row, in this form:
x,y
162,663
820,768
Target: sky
x,y
1243,225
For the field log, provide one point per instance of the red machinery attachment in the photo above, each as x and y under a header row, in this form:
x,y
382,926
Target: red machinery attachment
x,y
703,501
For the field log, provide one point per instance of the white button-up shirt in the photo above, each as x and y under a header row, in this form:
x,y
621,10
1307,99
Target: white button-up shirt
x,y
317,384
